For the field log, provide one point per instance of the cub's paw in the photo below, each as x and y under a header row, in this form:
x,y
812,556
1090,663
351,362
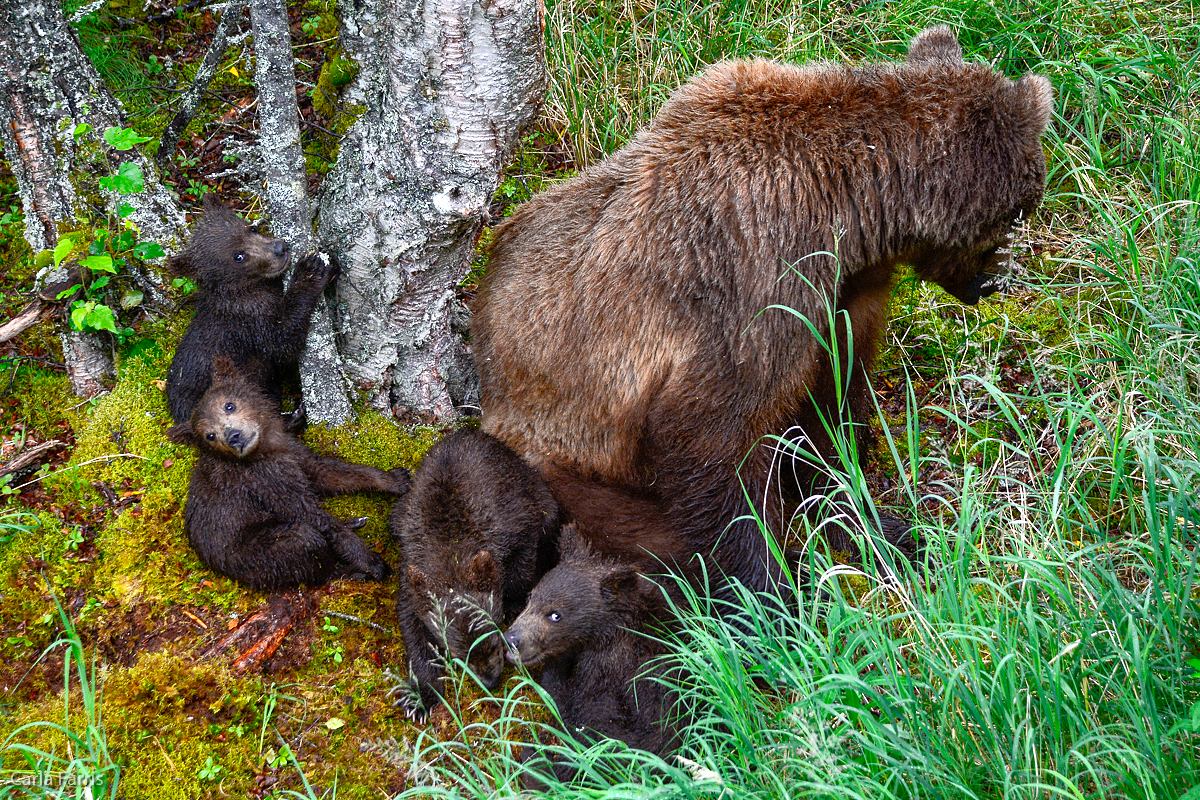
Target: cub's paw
x,y
318,268
407,697
402,478
295,421
370,568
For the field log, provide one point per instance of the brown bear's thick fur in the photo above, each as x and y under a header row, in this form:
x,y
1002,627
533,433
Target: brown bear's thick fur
x,y
629,331
477,531
253,509
242,310
585,627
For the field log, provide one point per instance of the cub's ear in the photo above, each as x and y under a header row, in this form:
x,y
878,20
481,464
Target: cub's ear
x,y
571,542
182,434
935,45
621,584
181,265
211,203
418,585
223,368
483,573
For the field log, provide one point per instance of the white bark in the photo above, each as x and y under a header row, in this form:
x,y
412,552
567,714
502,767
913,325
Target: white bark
x,y
47,88
285,189
448,86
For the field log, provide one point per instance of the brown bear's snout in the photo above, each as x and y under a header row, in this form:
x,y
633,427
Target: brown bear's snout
x,y
512,647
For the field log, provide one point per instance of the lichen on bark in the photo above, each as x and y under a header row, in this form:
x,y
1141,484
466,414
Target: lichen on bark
x,y
448,87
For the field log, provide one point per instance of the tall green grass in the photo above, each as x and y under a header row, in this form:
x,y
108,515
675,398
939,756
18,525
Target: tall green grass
x,y
83,769
1050,649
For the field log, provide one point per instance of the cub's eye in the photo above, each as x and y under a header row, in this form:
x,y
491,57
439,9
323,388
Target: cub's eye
x,y
554,616
212,437
239,257
230,408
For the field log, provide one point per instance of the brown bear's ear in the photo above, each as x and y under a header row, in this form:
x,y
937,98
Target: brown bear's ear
x,y
483,573
181,265
1033,102
182,434
935,45
571,542
223,368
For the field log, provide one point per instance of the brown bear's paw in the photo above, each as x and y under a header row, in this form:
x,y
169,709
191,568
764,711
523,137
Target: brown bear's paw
x,y
296,420
371,568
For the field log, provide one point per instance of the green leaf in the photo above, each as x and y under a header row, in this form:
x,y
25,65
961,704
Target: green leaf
x,y
100,283
65,293
128,180
80,130
131,298
79,312
63,249
145,250
101,318
123,138
124,210
98,264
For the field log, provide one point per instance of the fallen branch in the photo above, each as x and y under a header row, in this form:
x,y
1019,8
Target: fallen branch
x,y
30,456
29,316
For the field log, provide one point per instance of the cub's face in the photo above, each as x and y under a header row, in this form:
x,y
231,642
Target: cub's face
x,y
464,624
258,254
227,425
571,606
224,248
460,612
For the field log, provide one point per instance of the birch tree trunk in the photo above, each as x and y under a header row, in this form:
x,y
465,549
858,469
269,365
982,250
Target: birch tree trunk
x,y
285,189
448,87
48,88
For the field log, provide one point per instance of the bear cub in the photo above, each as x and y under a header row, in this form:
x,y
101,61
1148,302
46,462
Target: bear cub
x,y
585,626
253,512
476,530
242,310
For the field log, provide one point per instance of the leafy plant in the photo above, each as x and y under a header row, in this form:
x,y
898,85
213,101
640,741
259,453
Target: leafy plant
x,y
108,251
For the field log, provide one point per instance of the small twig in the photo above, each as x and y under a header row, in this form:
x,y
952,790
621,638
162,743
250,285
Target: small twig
x,y
81,464
351,618
204,74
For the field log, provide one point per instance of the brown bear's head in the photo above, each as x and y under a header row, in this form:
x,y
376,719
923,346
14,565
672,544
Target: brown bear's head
x,y
577,603
232,419
224,249
461,614
984,170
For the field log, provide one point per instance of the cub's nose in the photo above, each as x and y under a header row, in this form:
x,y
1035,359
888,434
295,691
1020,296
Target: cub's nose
x,y
234,438
280,248
512,644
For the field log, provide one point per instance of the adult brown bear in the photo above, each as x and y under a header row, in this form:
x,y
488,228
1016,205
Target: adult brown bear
x,y
624,330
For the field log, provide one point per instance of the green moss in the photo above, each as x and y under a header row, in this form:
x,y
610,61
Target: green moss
x,y
373,439
31,561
